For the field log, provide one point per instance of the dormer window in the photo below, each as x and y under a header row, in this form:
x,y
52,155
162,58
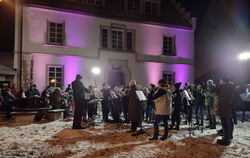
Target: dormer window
x,y
152,7
133,5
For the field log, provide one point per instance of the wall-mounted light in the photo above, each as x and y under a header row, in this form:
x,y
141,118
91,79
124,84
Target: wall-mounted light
x,y
244,56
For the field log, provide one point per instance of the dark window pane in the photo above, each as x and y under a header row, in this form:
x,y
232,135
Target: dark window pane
x,y
52,24
58,69
51,69
58,84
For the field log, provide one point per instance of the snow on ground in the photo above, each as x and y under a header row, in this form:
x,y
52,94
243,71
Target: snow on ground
x,y
57,139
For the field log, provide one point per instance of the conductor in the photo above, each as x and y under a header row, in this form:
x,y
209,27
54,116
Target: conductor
x,y
80,104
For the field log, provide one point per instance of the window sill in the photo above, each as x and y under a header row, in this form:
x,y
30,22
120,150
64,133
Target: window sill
x,y
56,46
118,50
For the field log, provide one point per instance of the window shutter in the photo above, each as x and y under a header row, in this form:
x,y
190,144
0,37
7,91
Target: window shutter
x,y
174,46
64,34
47,33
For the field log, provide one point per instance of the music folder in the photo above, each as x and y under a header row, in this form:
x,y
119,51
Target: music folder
x,y
141,95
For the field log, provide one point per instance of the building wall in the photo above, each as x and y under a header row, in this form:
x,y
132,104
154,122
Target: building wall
x,y
82,50
143,72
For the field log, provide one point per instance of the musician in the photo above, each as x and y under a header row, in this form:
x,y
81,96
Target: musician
x,y
80,104
105,102
115,104
134,108
176,103
125,103
91,107
163,105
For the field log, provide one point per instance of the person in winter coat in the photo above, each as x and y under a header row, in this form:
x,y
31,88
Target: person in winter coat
x,y
125,103
199,104
209,102
56,99
134,108
224,100
105,102
176,103
150,102
163,106
80,103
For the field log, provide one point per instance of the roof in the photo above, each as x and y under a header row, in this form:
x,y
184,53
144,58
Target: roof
x,y
172,13
6,71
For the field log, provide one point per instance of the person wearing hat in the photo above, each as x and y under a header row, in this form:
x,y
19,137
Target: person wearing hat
x,y
163,106
80,104
175,118
224,99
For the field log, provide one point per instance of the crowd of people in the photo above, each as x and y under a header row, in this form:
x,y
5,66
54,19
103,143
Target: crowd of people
x,y
121,104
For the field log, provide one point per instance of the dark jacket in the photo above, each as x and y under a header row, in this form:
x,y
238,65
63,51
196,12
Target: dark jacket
x,y
224,100
134,107
177,99
79,90
199,97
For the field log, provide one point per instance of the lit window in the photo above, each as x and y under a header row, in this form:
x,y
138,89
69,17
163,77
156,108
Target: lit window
x,y
169,46
169,77
55,76
55,33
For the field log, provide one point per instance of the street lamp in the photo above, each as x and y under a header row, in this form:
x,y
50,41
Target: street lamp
x,y
96,71
244,56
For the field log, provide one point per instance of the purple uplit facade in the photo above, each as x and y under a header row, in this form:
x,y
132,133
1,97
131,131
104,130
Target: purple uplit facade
x,y
82,50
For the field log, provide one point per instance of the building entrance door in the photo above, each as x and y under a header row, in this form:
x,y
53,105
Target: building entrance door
x,y
115,78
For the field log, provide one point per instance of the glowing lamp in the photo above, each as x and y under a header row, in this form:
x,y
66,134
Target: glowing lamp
x,y
96,70
244,56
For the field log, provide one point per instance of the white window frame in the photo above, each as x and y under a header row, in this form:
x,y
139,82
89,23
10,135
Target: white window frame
x,y
117,39
117,27
55,77
48,33
167,50
167,78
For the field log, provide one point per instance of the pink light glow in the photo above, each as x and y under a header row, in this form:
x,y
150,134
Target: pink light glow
x,y
78,28
153,72
150,40
183,73
72,67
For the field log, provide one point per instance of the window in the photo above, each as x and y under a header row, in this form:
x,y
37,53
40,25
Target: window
x,y
130,40
133,5
55,76
96,2
55,33
169,46
151,7
169,77
104,37
117,37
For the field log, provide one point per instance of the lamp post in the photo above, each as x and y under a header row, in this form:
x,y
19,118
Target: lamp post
x,y
96,71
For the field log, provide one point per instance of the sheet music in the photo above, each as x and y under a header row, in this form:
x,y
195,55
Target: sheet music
x,y
187,95
141,95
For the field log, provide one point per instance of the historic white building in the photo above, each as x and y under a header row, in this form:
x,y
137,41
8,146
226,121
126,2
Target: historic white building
x,y
143,40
